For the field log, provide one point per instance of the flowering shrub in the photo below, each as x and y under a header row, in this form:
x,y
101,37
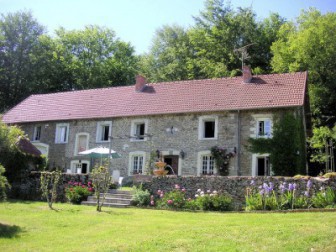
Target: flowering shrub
x,y
288,196
222,158
174,199
76,192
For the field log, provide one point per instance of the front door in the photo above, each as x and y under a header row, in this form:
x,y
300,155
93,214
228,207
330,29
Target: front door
x,y
172,163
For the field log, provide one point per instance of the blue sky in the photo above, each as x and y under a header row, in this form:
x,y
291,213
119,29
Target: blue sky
x,y
135,21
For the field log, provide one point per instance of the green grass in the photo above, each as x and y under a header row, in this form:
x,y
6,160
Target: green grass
x,y
31,226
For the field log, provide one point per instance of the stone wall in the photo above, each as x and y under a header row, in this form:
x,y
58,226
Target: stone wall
x,y
231,185
28,188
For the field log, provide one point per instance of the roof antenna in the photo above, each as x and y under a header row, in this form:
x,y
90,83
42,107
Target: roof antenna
x,y
244,53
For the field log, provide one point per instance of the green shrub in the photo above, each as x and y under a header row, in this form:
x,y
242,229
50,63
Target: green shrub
x,y
140,197
77,192
324,198
215,202
4,185
192,204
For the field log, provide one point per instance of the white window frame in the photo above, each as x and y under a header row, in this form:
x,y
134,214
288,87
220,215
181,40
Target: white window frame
x,y
255,157
131,161
200,156
201,127
58,139
134,128
99,131
77,139
76,162
263,118
35,133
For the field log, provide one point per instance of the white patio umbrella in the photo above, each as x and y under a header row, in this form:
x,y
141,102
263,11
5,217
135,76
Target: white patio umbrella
x,y
100,152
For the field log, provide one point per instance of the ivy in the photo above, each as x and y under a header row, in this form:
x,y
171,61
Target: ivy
x,y
286,147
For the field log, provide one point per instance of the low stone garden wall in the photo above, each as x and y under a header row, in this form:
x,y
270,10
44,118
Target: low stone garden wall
x,y
28,188
233,186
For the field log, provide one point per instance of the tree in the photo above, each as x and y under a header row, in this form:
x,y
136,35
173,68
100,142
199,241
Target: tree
x,y
169,55
19,41
4,185
101,180
311,45
94,58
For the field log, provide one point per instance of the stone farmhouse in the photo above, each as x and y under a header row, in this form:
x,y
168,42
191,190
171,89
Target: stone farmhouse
x,y
180,121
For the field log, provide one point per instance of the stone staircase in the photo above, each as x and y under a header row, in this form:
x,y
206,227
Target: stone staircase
x,y
114,198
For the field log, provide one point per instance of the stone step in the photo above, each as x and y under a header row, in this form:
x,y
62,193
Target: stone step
x,y
111,199
113,195
106,204
116,191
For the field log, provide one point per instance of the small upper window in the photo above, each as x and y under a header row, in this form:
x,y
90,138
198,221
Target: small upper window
x,y
62,133
103,131
139,130
208,127
264,128
37,133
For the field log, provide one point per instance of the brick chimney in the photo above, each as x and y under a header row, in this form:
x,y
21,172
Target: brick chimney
x,y
140,82
247,74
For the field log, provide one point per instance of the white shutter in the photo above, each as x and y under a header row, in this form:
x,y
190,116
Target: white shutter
x,y
267,130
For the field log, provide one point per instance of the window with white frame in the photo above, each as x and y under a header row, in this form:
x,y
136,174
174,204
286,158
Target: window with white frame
x,y
81,143
103,131
205,163
136,162
80,166
264,128
37,133
139,130
208,164
62,133
208,127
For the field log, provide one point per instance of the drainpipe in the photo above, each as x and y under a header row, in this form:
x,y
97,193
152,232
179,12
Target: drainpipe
x,y
238,142
109,157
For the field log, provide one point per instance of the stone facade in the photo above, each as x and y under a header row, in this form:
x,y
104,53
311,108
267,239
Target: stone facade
x,y
176,135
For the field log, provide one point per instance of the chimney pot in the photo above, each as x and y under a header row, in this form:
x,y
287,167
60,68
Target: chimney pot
x,y
247,74
140,82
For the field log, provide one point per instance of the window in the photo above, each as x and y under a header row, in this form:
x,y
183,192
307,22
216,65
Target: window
x,y
207,165
82,142
103,131
139,130
37,133
208,127
136,162
264,128
62,133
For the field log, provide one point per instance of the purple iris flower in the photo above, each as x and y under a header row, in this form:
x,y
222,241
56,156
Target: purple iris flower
x,y
306,193
290,187
252,182
309,184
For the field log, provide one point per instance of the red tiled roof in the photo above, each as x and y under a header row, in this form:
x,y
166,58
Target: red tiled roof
x,y
264,91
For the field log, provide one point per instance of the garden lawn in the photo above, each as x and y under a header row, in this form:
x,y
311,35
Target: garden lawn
x,y
31,226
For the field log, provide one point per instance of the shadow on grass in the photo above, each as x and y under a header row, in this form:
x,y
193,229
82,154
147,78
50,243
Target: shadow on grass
x,y
8,231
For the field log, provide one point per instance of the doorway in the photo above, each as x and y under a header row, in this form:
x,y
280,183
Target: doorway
x,y
172,161
263,166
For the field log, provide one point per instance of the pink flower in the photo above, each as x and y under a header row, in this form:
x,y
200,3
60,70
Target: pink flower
x,y
183,189
90,189
159,192
152,202
83,186
177,186
170,202
161,195
189,199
